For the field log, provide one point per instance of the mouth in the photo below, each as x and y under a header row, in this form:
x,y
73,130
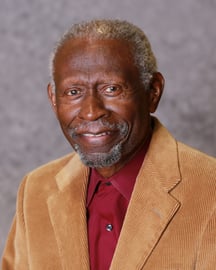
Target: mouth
x,y
99,134
95,138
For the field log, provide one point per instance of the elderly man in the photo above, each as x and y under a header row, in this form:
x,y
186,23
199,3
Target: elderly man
x,y
130,196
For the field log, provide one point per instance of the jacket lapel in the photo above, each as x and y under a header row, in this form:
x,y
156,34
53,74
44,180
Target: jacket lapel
x,y
68,215
151,207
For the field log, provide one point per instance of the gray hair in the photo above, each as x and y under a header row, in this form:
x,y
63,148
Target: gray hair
x,y
114,29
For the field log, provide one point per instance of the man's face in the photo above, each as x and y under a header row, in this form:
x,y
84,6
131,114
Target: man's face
x,y
100,102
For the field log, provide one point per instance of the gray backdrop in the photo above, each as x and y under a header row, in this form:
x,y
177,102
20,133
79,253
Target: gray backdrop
x,y
183,37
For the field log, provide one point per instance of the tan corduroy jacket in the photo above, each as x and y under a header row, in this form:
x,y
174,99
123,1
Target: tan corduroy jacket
x,y
170,223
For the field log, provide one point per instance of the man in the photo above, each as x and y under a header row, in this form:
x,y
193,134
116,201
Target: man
x,y
131,196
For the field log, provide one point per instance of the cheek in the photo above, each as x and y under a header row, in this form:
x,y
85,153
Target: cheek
x,y
133,113
139,120
65,115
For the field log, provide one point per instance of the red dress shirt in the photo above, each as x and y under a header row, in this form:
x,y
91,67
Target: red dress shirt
x,y
107,202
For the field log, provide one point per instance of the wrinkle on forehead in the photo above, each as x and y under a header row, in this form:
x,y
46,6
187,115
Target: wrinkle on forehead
x,y
84,58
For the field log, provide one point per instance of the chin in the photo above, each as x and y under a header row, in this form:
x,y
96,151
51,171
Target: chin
x,y
100,159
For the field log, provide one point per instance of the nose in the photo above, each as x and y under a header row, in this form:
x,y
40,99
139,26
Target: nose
x,y
92,108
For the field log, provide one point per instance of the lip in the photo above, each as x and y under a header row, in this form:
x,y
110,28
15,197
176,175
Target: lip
x,y
99,134
96,138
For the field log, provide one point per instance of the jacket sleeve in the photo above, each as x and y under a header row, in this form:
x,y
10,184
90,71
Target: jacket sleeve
x,y
207,251
15,255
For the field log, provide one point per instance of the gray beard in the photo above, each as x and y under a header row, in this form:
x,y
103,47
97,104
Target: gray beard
x,y
100,160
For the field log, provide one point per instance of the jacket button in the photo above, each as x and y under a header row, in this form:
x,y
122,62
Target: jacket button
x,y
109,227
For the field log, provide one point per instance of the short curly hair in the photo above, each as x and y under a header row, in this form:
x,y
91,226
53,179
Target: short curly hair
x,y
114,29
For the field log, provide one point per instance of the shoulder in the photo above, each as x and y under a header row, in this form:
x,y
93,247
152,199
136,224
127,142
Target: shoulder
x,y
198,173
193,158
188,157
52,167
42,179
194,166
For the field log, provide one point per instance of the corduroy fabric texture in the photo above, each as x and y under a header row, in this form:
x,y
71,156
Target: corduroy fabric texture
x,y
170,223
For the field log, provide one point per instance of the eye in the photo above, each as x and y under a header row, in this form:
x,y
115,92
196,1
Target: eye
x,y
73,92
112,90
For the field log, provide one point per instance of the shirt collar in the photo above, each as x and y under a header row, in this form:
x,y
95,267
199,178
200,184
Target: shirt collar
x,y
123,180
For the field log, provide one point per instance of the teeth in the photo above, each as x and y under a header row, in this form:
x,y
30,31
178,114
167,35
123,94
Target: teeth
x,y
95,135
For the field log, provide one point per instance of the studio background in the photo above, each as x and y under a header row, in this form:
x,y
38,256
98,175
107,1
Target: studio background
x,y
183,37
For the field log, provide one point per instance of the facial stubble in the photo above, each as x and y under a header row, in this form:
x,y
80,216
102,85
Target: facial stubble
x,y
104,159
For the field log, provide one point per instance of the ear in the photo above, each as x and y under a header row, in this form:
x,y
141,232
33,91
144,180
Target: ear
x,y
155,91
52,97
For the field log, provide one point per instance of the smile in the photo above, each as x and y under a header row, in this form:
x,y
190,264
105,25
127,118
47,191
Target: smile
x,y
96,135
96,138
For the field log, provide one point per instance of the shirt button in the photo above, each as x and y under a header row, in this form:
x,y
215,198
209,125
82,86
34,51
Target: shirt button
x,y
109,227
108,183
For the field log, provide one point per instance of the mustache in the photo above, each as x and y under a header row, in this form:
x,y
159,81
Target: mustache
x,y
98,126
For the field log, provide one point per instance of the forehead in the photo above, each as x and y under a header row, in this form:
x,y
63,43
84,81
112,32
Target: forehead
x,y
86,54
